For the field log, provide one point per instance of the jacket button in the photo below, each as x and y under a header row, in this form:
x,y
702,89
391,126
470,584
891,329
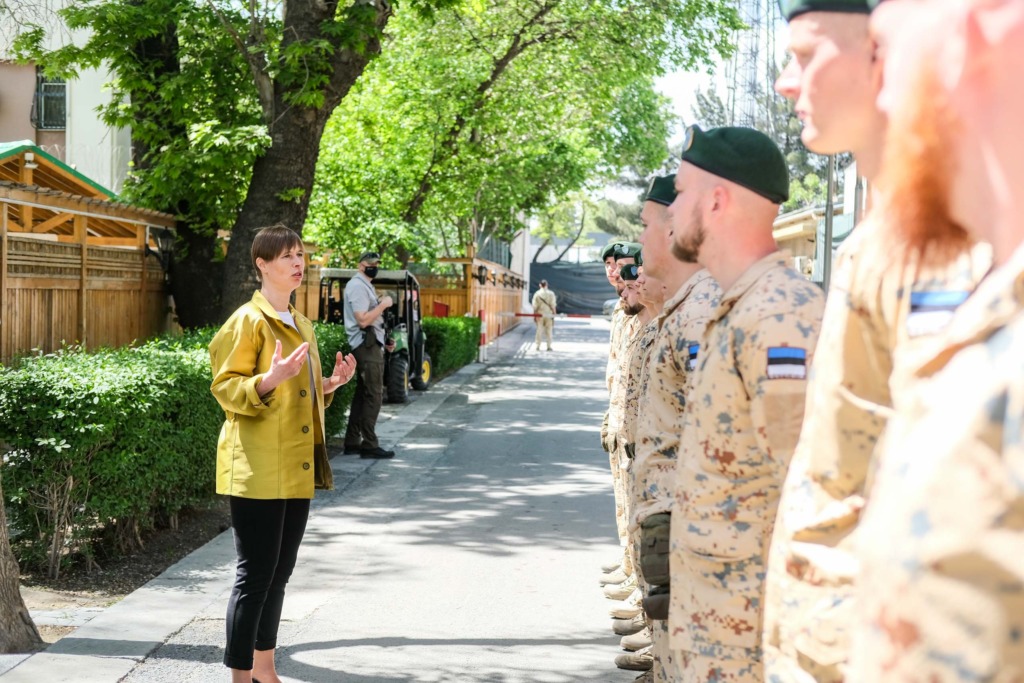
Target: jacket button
x,y
305,465
302,393
305,430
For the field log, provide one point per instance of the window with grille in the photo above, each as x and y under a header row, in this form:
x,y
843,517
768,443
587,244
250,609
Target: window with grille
x,y
50,104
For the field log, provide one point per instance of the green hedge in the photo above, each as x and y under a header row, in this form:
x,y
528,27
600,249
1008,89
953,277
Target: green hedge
x,y
100,446
451,342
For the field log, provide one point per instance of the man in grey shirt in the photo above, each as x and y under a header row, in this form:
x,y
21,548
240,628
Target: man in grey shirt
x,y
364,323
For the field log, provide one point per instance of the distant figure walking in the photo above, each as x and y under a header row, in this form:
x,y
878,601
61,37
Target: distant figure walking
x,y
545,304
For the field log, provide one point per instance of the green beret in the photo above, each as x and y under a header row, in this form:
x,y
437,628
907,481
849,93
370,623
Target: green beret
x,y
662,190
630,272
794,8
622,250
745,156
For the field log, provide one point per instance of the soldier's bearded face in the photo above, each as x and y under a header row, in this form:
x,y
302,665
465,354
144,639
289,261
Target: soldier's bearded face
x,y
919,167
687,241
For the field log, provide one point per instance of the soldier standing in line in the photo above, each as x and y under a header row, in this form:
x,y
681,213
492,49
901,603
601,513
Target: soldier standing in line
x,y
617,254
674,353
940,596
545,304
630,330
747,402
651,296
883,309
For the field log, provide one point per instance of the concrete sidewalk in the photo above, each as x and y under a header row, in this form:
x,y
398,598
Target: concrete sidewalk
x,y
395,561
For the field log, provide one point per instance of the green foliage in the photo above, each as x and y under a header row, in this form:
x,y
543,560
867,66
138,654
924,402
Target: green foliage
x,y
451,342
181,85
493,112
101,446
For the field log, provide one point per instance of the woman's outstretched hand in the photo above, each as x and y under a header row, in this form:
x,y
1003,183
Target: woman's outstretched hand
x,y
344,369
282,368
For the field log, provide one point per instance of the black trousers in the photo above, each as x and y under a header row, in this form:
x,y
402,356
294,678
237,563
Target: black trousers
x,y
267,538
362,418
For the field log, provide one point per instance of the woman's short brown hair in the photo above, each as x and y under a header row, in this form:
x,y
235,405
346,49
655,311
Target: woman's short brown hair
x,y
271,242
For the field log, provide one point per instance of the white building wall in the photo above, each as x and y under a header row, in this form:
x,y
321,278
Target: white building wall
x,y
94,149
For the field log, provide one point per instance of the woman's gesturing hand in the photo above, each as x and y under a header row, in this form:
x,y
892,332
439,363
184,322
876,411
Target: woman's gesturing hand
x,y
282,368
344,369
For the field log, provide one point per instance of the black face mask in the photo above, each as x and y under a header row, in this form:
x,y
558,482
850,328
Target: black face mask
x,y
371,271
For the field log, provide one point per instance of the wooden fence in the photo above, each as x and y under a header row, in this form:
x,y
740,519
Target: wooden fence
x,y
446,296
78,286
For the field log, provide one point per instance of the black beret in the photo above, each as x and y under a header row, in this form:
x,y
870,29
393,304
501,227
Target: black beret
x,y
622,250
630,272
745,156
794,8
662,190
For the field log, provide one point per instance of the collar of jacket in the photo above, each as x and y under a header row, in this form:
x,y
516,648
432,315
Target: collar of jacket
x,y
267,309
776,259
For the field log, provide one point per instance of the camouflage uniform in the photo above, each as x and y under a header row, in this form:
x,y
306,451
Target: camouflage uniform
x,y
940,596
741,426
629,337
673,353
879,316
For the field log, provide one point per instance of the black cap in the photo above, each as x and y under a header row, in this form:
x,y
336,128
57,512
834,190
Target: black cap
x,y
369,257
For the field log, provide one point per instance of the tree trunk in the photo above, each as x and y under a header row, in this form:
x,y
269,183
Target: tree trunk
x,y
196,278
17,631
289,164
579,233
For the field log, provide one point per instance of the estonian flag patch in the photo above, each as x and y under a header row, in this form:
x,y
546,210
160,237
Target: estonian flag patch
x,y
787,362
691,359
930,312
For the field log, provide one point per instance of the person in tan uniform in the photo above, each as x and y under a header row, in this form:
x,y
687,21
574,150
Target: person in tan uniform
x,y
746,405
616,255
940,596
693,294
650,294
883,309
545,304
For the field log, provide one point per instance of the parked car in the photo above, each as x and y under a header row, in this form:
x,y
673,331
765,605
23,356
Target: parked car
x,y
409,363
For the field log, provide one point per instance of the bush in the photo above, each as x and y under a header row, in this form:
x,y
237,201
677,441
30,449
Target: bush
x,y
100,446
451,342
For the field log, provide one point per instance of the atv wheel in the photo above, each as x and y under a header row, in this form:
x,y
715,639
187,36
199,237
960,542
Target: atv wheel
x,y
398,379
421,382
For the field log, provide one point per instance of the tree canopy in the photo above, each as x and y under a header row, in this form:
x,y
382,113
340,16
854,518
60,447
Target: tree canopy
x,y
482,117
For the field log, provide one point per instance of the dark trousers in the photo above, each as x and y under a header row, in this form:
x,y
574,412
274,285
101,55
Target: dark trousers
x,y
362,418
267,537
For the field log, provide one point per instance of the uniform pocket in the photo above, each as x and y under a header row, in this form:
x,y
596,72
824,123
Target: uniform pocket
x,y
723,587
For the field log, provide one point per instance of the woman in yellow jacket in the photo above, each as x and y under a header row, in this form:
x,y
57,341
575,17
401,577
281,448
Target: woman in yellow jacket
x,y
271,453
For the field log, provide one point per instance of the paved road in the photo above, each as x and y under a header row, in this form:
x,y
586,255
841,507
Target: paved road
x,y
471,557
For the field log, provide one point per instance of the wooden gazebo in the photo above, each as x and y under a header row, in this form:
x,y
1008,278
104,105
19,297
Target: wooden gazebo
x,y
76,265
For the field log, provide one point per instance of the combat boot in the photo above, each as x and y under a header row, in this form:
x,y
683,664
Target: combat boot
x,y
642,660
625,627
628,608
637,641
613,577
620,591
609,567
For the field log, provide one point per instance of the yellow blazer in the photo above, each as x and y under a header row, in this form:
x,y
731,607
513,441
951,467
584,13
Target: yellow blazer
x,y
269,447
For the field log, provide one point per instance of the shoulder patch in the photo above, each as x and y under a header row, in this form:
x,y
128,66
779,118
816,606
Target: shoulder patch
x,y
691,358
787,362
931,311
